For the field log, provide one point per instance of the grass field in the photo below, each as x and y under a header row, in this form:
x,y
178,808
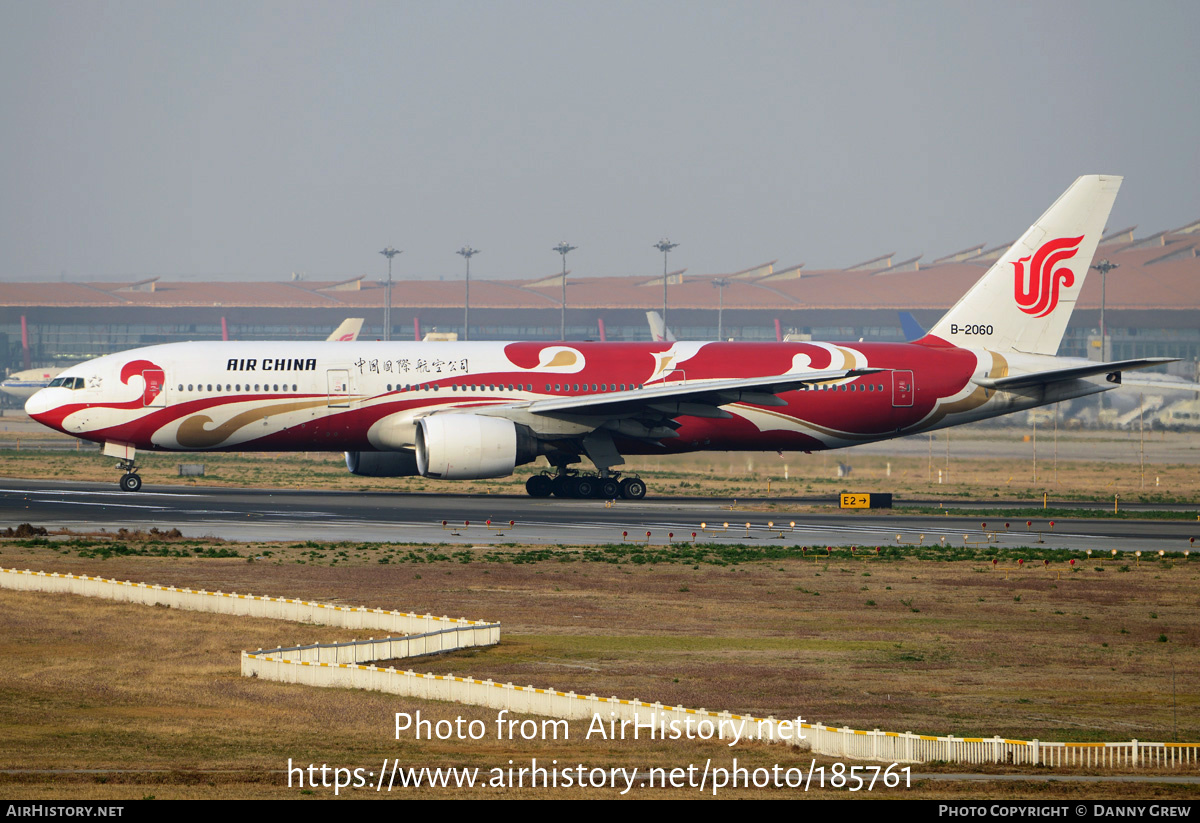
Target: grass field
x,y
1105,652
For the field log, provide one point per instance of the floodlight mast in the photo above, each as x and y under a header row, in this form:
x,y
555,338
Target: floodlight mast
x,y
564,248
1104,267
389,253
665,246
720,283
467,252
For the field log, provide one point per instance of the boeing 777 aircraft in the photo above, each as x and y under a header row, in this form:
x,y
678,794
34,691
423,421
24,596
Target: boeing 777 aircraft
x,y
460,410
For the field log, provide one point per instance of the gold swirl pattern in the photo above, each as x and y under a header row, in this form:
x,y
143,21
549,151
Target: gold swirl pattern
x,y
192,433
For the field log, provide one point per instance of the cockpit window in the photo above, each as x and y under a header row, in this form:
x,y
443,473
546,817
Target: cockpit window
x,y
58,381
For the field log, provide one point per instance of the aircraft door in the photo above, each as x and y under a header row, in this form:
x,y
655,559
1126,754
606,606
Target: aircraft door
x,y
902,389
339,388
154,395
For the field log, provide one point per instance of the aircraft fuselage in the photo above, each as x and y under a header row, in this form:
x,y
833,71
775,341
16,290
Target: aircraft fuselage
x,y
367,396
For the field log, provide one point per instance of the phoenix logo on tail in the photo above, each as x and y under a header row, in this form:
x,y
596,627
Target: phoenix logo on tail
x,y
1037,291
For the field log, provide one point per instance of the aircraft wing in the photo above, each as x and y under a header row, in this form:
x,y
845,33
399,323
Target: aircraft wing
x,y
698,399
1042,378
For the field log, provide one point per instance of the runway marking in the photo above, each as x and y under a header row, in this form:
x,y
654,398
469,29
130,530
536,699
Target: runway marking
x,y
103,492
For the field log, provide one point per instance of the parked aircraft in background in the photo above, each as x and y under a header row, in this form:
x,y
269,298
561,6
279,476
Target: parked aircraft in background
x,y
24,384
347,331
911,328
658,329
464,410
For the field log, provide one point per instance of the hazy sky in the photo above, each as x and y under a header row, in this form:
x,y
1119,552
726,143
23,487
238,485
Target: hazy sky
x,y
204,139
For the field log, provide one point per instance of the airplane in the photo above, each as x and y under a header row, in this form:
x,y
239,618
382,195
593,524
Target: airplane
x,y
24,384
472,410
658,329
347,331
912,329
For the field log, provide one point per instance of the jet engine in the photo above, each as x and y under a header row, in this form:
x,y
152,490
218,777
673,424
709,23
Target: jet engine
x,y
382,464
471,446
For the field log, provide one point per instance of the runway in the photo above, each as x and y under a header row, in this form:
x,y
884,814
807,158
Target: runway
x,y
289,515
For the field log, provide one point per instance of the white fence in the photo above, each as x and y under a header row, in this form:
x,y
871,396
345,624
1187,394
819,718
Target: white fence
x,y
346,665
277,608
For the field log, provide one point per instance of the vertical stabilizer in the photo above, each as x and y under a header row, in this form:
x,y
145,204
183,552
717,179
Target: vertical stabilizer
x,y
1024,301
659,332
348,330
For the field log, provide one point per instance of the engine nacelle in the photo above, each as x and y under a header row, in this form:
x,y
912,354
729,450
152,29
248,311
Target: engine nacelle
x,y
382,464
472,447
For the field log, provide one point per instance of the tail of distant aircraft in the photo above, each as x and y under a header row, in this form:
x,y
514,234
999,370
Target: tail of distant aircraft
x,y
658,329
1024,301
911,328
349,330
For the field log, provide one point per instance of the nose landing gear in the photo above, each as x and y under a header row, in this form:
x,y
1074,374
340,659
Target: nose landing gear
x,y
130,481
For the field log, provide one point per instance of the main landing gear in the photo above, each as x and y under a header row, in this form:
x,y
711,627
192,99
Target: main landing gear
x,y
567,483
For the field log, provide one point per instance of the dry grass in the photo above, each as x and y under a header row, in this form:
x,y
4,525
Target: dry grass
x,y
947,648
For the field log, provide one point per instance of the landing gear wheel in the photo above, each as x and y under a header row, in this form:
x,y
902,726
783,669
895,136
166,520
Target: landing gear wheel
x,y
539,486
130,482
584,487
609,489
561,486
632,488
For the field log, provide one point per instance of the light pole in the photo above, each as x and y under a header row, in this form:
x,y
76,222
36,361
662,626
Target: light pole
x,y
1104,267
389,253
720,283
467,252
665,246
563,248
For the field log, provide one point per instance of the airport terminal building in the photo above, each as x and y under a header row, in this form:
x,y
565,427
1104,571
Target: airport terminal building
x,y
1151,305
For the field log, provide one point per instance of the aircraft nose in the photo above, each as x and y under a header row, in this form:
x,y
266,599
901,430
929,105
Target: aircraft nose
x,y
40,404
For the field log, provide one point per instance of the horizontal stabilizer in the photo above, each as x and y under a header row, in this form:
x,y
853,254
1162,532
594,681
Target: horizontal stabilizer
x,y
1042,378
